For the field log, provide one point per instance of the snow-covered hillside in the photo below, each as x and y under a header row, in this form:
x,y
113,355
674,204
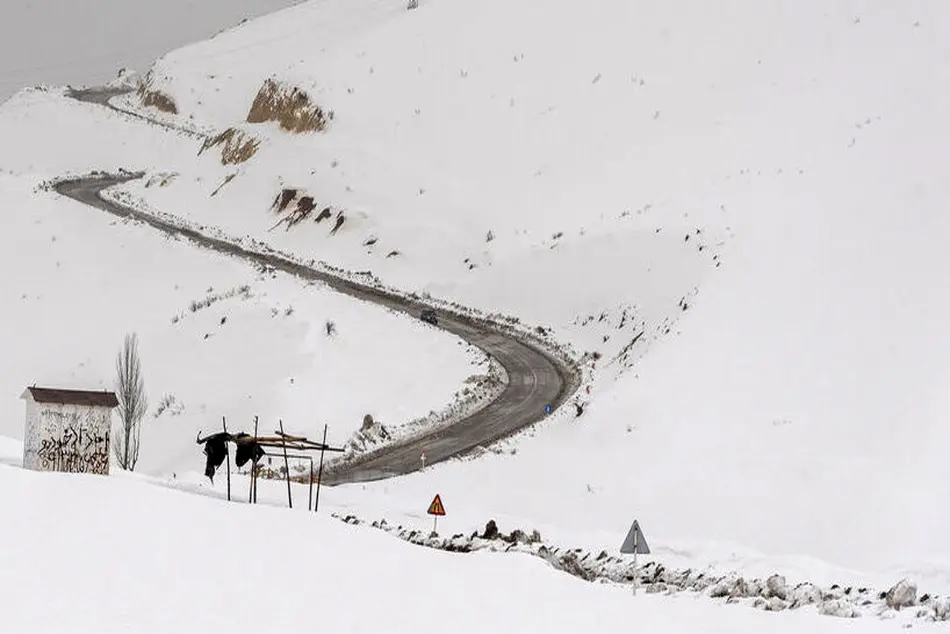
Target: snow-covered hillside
x,y
762,181
189,564
756,188
218,337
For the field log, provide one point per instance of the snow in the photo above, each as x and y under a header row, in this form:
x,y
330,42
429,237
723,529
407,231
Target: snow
x,y
758,189
188,563
770,168
218,336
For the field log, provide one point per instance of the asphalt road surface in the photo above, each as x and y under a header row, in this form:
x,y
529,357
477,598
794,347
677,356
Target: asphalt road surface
x,y
536,378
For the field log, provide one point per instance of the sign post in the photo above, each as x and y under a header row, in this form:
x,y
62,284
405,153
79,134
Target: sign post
x,y
635,543
423,459
436,509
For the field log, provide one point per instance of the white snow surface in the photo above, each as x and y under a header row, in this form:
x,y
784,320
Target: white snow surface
x,y
187,564
800,402
791,417
221,338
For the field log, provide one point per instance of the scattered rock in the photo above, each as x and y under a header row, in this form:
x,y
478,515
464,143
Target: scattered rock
x,y
368,422
775,604
902,595
721,589
237,146
838,607
941,609
517,537
152,98
569,564
740,589
775,586
288,106
656,588
491,530
805,594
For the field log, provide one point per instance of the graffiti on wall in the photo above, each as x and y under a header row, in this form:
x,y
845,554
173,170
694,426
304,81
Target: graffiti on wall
x,y
73,443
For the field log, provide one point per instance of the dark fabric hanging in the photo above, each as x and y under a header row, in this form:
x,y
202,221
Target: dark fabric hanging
x,y
247,449
216,450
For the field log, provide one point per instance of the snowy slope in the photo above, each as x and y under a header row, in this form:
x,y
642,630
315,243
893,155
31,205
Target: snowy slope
x,y
799,404
218,338
757,188
189,564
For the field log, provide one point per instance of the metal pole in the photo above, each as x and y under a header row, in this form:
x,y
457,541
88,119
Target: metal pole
x,y
283,444
227,448
316,503
635,575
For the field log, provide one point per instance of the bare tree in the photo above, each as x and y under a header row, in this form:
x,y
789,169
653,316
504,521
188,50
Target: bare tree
x,y
133,403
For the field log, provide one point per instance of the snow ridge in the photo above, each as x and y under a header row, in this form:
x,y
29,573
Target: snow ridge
x,y
772,594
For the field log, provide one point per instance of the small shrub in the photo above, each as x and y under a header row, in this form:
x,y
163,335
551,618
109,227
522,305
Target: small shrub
x,y
169,403
330,328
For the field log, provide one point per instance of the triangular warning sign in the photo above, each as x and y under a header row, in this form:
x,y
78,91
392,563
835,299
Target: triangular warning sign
x,y
436,507
635,542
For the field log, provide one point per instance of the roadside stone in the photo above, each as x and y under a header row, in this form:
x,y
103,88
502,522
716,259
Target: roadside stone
x,y
740,589
840,608
775,586
902,595
941,608
720,589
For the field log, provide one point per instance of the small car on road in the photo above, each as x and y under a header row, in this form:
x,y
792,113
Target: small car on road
x,y
428,316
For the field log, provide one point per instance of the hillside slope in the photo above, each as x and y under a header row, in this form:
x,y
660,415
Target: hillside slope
x,y
756,188
761,183
182,562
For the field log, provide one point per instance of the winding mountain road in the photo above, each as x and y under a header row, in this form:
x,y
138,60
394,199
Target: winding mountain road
x,y
536,377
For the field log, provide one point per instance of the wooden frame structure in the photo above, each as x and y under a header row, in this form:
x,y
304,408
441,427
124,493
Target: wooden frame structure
x,y
285,443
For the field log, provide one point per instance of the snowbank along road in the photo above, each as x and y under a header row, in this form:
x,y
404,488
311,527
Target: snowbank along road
x,y
536,378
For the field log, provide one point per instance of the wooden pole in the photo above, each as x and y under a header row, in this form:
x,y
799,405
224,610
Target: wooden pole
x,y
310,491
283,444
254,466
227,448
323,447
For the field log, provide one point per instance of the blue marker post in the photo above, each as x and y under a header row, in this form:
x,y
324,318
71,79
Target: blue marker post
x,y
547,408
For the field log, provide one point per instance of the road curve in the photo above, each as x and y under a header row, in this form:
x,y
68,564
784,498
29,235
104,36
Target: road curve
x,y
536,377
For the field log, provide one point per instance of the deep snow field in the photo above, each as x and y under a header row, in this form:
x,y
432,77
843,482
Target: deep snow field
x,y
757,189
191,564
